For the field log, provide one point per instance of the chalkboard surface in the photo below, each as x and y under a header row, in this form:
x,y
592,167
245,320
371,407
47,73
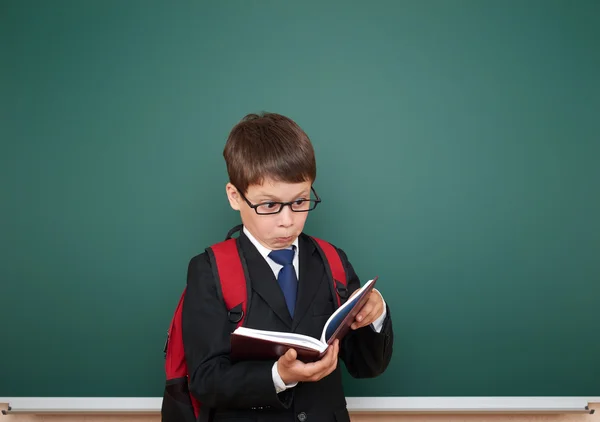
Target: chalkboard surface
x,y
458,156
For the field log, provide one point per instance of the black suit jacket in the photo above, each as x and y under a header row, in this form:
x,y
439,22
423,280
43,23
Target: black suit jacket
x,y
244,391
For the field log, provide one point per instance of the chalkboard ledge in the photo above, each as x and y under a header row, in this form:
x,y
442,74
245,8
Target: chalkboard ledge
x,y
397,405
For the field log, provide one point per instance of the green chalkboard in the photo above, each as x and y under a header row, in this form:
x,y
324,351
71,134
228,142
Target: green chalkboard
x,y
458,151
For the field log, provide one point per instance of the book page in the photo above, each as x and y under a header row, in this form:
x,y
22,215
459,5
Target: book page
x,y
282,337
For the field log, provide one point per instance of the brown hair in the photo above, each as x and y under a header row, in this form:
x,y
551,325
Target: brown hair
x,y
268,145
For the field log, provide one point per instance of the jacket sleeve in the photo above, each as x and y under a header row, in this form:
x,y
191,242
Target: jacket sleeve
x,y
214,380
365,352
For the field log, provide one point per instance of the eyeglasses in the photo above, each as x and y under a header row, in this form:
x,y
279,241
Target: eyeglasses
x,y
272,207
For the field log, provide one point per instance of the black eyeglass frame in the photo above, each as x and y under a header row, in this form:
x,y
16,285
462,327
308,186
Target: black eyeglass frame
x,y
315,201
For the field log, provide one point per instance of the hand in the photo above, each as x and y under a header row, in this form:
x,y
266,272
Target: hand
x,y
371,310
292,370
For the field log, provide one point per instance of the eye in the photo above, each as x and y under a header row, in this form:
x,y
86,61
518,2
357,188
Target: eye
x,y
269,205
299,201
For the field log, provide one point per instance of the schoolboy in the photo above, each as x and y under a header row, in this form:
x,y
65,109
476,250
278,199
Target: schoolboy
x,y
271,167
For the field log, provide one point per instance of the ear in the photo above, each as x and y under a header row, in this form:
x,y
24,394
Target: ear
x,y
233,196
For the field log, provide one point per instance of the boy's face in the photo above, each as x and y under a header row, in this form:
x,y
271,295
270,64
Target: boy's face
x,y
274,231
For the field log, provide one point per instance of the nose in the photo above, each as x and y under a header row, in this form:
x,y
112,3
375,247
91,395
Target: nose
x,y
286,217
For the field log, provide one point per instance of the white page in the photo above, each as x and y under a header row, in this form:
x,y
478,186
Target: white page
x,y
292,338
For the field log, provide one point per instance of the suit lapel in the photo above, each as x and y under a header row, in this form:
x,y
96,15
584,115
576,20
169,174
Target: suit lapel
x,y
312,274
263,280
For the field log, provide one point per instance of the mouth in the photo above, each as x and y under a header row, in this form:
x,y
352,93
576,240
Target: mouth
x,y
284,239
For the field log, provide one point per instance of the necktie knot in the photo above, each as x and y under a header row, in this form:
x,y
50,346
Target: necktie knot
x,y
283,256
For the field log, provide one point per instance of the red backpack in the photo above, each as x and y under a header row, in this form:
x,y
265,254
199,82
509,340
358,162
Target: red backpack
x,y
178,404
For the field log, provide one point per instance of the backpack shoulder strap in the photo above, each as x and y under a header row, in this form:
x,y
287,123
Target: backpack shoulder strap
x,y
175,365
229,272
338,273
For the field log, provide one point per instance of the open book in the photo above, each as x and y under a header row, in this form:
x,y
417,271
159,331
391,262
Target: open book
x,y
253,344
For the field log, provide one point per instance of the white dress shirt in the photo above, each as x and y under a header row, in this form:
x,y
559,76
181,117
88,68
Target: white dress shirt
x,y
277,381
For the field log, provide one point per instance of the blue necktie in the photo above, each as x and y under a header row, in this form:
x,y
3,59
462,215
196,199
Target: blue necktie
x,y
287,276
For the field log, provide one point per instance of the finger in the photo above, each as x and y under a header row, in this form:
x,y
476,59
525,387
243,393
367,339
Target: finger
x,y
367,307
318,370
334,360
359,321
328,358
375,313
332,356
368,318
369,312
336,351
365,310
311,369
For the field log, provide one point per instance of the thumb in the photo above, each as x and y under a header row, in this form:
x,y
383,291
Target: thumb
x,y
290,355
